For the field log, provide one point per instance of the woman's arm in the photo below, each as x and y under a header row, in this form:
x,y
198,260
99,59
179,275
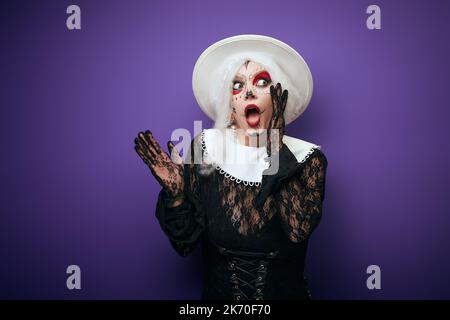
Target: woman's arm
x,y
183,218
300,198
299,189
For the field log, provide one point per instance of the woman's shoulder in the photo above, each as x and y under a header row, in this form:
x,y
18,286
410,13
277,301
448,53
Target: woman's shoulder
x,y
305,151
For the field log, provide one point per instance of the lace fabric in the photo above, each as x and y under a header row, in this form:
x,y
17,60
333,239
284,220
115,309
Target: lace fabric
x,y
298,199
219,207
238,204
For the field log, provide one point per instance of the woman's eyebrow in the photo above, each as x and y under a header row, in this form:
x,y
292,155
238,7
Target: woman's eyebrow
x,y
261,74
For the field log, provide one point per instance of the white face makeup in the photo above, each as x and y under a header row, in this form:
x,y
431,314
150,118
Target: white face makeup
x,y
250,100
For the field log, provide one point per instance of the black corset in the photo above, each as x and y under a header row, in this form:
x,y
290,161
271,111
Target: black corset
x,y
247,272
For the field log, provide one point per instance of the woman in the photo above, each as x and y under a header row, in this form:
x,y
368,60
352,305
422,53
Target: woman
x,y
256,194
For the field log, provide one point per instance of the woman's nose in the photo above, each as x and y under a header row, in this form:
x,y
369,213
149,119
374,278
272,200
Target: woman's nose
x,y
249,93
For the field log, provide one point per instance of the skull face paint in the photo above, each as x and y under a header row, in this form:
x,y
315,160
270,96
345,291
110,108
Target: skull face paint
x,y
250,100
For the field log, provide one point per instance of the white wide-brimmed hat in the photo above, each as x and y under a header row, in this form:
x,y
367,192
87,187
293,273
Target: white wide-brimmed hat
x,y
216,67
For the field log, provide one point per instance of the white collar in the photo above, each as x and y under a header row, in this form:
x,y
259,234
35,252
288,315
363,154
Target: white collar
x,y
242,163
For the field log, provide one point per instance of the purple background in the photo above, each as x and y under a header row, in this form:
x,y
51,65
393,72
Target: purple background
x,y
73,191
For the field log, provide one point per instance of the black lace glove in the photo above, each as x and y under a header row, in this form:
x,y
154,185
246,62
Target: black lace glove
x,y
275,140
169,174
279,102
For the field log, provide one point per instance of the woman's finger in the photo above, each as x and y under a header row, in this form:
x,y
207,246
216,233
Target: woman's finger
x,y
148,148
272,88
141,137
278,89
139,152
148,140
148,160
153,142
145,145
139,147
274,101
284,101
140,140
145,155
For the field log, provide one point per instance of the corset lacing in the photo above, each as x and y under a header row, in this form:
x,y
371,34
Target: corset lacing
x,y
247,272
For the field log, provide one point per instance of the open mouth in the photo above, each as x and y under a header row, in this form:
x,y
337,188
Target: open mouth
x,y
252,115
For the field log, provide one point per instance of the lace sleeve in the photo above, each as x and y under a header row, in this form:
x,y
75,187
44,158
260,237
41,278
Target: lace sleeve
x,y
300,198
185,223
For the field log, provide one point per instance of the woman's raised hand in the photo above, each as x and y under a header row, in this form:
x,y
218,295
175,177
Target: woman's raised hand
x,y
279,101
170,174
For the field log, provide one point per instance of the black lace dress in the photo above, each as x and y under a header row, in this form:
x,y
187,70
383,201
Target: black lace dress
x,y
254,238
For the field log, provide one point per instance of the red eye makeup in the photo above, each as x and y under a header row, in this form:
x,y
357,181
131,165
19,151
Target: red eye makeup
x,y
237,87
262,75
